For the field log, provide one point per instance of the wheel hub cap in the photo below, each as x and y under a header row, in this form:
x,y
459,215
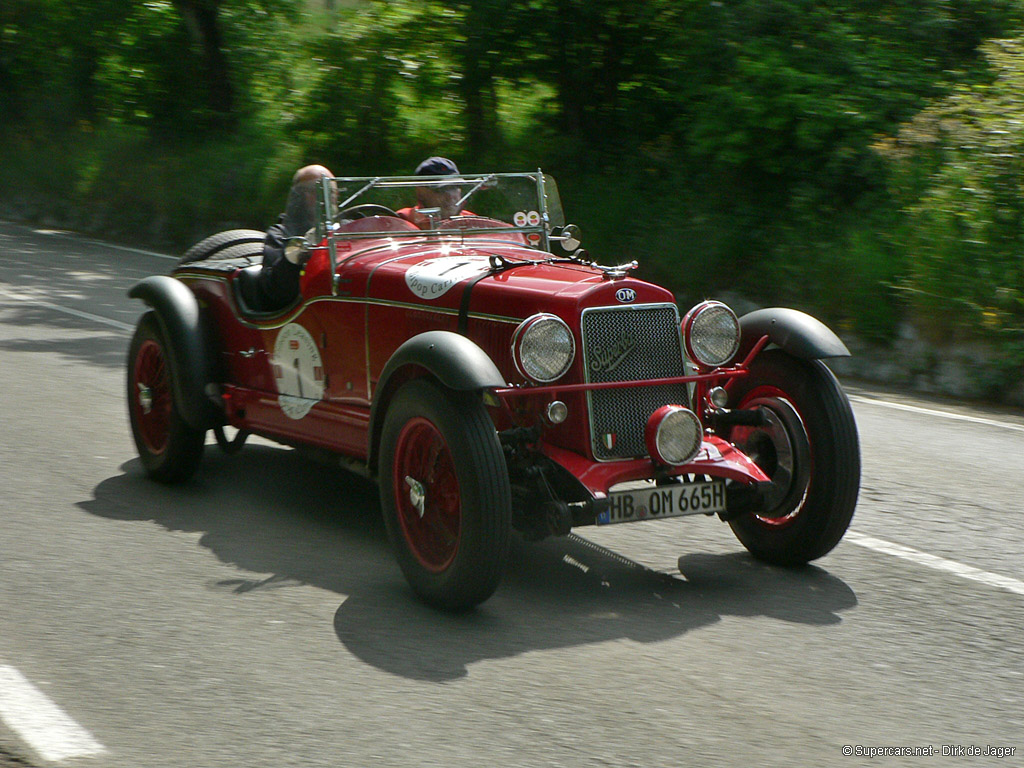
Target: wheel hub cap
x,y
145,398
153,403
426,491
780,448
417,494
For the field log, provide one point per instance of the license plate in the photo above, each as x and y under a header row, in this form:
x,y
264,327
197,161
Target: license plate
x,y
654,502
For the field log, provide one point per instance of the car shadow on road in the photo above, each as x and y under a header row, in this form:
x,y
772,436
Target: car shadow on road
x,y
72,338
109,351
291,523
548,600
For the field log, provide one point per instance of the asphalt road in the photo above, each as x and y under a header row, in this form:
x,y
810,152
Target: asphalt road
x,y
254,616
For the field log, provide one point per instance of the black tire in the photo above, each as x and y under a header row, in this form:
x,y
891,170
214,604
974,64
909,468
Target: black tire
x,y
218,242
439,450
810,449
252,253
170,450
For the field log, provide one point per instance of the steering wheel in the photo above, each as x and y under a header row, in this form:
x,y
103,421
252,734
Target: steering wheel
x,y
366,210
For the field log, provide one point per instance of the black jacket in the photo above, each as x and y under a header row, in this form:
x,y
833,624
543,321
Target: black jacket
x,y
279,278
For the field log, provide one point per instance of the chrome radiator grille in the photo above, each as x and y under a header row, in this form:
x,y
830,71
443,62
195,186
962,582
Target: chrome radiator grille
x,y
630,344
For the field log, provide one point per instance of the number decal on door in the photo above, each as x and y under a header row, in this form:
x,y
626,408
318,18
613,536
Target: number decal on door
x,y
298,371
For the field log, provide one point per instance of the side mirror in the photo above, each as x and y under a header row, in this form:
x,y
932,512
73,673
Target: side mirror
x,y
296,250
568,236
432,214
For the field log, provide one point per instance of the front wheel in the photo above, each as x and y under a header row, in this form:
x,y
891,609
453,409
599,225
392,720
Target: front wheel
x,y
810,450
445,494
170,450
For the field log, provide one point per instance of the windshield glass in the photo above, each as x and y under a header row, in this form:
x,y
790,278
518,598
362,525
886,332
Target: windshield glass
x,y
523,207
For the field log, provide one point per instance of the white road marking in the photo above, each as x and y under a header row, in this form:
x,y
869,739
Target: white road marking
x,y
82,239
936,563
67,310
125,248
934,412
42,724
100,243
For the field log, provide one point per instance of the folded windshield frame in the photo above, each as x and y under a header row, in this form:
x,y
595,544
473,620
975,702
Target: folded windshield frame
x,y
492,204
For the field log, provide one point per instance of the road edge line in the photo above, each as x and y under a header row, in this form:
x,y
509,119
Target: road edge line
x,y
935,562
67,310
39,722
935,412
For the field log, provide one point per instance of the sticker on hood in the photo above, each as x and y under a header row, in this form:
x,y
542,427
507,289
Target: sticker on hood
x,y
433,278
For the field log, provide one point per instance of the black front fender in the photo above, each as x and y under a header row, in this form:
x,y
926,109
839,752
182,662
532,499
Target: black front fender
x,y
454,360
177,312
796,332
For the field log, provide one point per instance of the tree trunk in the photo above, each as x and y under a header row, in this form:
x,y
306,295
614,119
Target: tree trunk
x,y
377,113
476,86
200,17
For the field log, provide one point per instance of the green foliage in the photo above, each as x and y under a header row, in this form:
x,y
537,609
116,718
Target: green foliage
x,y
48,55
120,184
780,127
958,172
726,145
172,66
124,95
350,115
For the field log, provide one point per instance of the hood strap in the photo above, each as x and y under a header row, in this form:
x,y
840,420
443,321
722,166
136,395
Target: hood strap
x,y
498,264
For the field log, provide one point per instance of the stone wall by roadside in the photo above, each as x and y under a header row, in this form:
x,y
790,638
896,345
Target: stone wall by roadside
x,y
964,370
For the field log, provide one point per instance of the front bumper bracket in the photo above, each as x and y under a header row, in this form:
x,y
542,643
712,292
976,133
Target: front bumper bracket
x,y
745,499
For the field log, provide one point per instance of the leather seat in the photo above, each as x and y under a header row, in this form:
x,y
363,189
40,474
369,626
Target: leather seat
x,y
249,296
247,290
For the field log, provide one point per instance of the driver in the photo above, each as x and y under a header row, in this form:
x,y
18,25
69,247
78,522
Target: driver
x,y
278,282
444,198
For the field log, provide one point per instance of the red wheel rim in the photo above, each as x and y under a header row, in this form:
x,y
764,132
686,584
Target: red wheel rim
x,y
766,392
427,494
151,397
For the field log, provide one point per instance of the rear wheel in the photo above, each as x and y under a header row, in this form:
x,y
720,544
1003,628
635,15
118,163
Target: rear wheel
x,y
170,450
809,449
445,494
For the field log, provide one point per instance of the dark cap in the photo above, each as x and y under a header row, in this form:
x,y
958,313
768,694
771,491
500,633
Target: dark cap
x,y
437,166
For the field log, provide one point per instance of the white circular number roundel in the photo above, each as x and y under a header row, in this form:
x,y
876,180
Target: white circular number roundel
x,y
298,371
433,278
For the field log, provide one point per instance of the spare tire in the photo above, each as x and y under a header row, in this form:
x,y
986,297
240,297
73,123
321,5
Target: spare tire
x,y
251,252
206,248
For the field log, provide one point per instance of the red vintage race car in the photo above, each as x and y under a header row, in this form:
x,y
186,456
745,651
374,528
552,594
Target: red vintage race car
x,y
490,376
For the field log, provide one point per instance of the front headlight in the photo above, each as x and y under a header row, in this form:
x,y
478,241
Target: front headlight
x,y
543,348
711,332
673,435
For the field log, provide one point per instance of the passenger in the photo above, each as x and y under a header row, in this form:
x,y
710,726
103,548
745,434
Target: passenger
x,y
279,278
444,198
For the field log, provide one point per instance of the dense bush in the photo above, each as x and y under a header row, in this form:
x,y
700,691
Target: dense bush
x,y
737,145
957,169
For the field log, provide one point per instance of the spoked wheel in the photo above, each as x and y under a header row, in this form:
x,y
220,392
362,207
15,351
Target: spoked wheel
x,y
445,494
170,450
810,450
422,461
